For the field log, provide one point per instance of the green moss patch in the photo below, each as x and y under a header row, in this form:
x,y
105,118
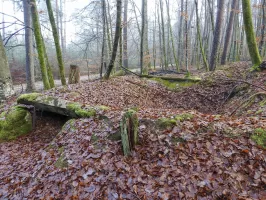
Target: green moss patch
x,y
259,136
29,97
61,161
174,85
80,110
184,117
14,123
166,123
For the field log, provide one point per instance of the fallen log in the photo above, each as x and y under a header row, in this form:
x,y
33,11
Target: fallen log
x,y
168,78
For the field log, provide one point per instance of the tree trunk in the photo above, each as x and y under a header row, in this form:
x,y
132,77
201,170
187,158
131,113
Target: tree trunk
x,y
229,31
142,38
263,26
250,36
30,79
147,61
104,35
171,36
6,86
39,44
125,61
163,36
48,66
116,40
217,35
74,74
57,43
199,38
129,131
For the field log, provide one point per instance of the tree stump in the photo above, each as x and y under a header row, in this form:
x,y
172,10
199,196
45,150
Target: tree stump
x,y
129,131
74,74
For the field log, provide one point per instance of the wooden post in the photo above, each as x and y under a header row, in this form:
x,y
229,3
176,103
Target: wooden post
x,y
129,131
74,74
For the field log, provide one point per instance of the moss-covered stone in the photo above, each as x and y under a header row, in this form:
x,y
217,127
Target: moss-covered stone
x,y
259,136
166,123
81,111
14,123
29,97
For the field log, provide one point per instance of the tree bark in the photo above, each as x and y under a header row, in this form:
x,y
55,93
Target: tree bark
x,y
116,40
163,36
39,44
229,31
30,79
199,38
57,43
250,35
125,25
104,35
217,35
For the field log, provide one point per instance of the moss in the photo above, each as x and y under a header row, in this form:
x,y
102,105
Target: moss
x,y
166,123
29,97
184,117
94,138
61,162
259,136
81,112
119,73
170,85
104,108
115,136
262,103
259,112
15,122
174,85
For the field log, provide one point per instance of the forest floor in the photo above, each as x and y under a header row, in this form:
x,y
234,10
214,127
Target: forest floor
x,y
209,151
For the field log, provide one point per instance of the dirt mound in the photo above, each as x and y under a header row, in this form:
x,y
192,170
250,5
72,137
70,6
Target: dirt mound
x,y
122,92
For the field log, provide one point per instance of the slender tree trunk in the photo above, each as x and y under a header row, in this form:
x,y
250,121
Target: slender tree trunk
x,y
116,39
180,33
57,43
250,35
48,66
163,36
104,35
6,86
39,44
171,37
229,31
263,26
30,79
160,39
125,25
147,60
200,40
142,38
211,14
217,35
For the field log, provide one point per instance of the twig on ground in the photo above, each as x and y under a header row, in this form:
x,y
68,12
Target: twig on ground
x,y
243,81
247,101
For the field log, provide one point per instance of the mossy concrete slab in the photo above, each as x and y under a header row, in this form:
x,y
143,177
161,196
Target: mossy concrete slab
x,y
59,106
15,122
